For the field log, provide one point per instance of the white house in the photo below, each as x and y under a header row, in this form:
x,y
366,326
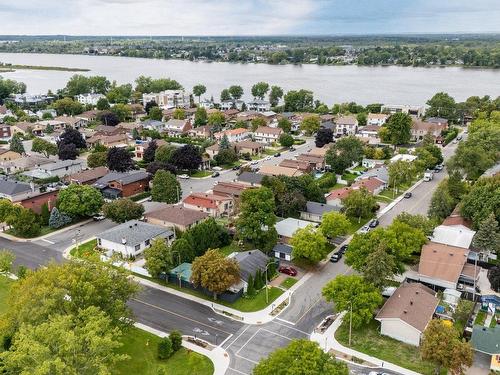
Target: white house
x,y
377,119
168,99
287,227
233,135
412,110
131,238
266,134
403,157
346,125
259,105
207,104
283,251
459,236
89,99
226,105
407,313
60,168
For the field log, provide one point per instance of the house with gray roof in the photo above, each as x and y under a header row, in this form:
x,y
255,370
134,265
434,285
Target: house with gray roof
x,y
314,211
486,340
379,172
250,178
250,262
283,251
132,238
15,190
60,168
122,184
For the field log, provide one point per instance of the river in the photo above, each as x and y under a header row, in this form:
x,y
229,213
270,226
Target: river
x,y
330,84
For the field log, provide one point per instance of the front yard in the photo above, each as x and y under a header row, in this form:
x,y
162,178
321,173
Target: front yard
x,y
368,340
5,284
86,250
288,282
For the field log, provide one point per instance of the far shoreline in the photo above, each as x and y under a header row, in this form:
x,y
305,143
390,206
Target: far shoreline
x,y
7,68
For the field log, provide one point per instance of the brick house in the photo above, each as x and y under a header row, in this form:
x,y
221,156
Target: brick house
x,y
214,205
122,184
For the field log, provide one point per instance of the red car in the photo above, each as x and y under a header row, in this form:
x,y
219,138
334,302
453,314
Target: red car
x,y
288,270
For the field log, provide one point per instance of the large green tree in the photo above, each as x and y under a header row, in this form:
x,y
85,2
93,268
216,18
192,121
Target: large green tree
x,y
359,204
310,124
482,200
309,244
122,210
421,222
397,129
79,200
236,92
260,89
442,203
344,153
166,188
334,224
401,173
300,357
299,101
442,105
44,147
199,90
275,95
67,106
355,296
159,257
487,238
379,267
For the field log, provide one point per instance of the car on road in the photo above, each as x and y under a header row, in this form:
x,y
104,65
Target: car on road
x,y
184,176
215,174
98,217
343,249
364,229
292,148
255,162
287,270
335,257
377,373
408,195
236,167
277,155
217,169
438,168
268,158
459,138
373,223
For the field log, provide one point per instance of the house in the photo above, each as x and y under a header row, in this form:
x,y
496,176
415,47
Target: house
x,y
226,105
60,168
229,189
140,147
316,161
175,216
453,236
249,263
442,265
122,184
437,120
207,104
204,131
149,124
212,150
320,151
346,125
250,179
486,340
6,154
233,135
275,170
266,134
109,130
372,184
15,191
72,122
248,147
379,171
49,111
35,200
129,127
132,237
415,111
283,251
334,197
89,99
302,166
406,314
24,163
175,128
287,227
369,131
377,119
371,163
87,177
26,128
168,99
259,105
88,115
5,131
457,220
420,128
403,157
314,211
116,140
214,205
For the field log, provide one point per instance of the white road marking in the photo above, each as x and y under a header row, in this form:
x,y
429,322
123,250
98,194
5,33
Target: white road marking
x,y
239,372
295,329
223,342
251,337
285,321
46,240
236,339
246,359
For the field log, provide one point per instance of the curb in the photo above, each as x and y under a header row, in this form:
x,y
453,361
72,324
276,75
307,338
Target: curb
x,y
398,199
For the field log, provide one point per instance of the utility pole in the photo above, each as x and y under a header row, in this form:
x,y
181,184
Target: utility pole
x,y
350,324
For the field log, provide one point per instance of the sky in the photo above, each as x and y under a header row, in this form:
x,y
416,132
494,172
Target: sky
x,y
247,17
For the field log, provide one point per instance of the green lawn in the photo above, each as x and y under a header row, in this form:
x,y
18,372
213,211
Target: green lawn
x,y
480,318
288,282
86,250
493,323
141,346
383,199
256,302
231,248
44,230
199,174
349,176
368,340
354,226
5,284
360,168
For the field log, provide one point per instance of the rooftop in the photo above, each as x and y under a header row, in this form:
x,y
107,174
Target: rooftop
x,y
250,178
442,262
10,187
316,208
177,214
205,200
486,340
268,130
454,236
122,177
88,175
250,262
134,232
289,226
275,170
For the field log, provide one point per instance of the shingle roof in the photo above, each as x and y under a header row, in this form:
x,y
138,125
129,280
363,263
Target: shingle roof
x,y
486,340
229,188
275,170
134,232
413,303
177,215
88,175
316,208
9,187
250,178
250,262
289,226
283,248
205,200
442,262
268,130
122,177
346,120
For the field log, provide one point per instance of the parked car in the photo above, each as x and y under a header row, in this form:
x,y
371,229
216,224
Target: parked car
x,y
236,167
290,271
408,195
335,257
373,223
268,158
215,174
364,229
277,155
98,217
217,169
292,148
343,249
459,138
184,176
255,162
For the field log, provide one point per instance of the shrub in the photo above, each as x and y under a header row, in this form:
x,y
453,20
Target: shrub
x,y
165,348
58,219
176,339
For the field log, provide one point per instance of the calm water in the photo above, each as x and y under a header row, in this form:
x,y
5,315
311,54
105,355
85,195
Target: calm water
x,y
331,84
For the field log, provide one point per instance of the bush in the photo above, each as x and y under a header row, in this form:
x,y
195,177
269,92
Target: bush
x,y
140,196
58,219
165,348
176,339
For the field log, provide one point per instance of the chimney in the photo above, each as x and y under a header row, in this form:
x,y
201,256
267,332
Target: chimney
x,y
405,312
124,240
411,303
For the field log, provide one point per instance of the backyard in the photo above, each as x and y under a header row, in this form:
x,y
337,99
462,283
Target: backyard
x,y
368,340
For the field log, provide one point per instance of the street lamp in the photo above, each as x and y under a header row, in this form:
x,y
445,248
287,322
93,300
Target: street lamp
x,y
350,324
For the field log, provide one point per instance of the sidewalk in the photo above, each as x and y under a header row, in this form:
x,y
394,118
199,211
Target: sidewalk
x,y
10,237
217,355
328,342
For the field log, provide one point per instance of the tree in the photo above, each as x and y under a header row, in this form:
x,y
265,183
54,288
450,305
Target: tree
x,y
236,92
300,357
119,94
6,260
226,156
166,188
463,310
72,136
67,106
275,95
135,134
359,204
9,86
401,173
187,157
441,345
200,116
309,244
155,113
122,210
67,151
299,101
256,220
323,137
361,117
176,338
494,278
482,200
225,95
179,114
16,144
24,223
109,118
45,214
214,272
344,153
355,296
417,221
216,119
150,105
80,84
84,343
155,166
224,143
119,160
259,90
285,124
58,219
206,235
146,85
334,224
79,200
44,147
487,238
286,140
150,152
442,105
159,258
122,111
97,159
165,350
164,153
379,267
442,203
397,129
102,104
257,122
310,124
198,91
